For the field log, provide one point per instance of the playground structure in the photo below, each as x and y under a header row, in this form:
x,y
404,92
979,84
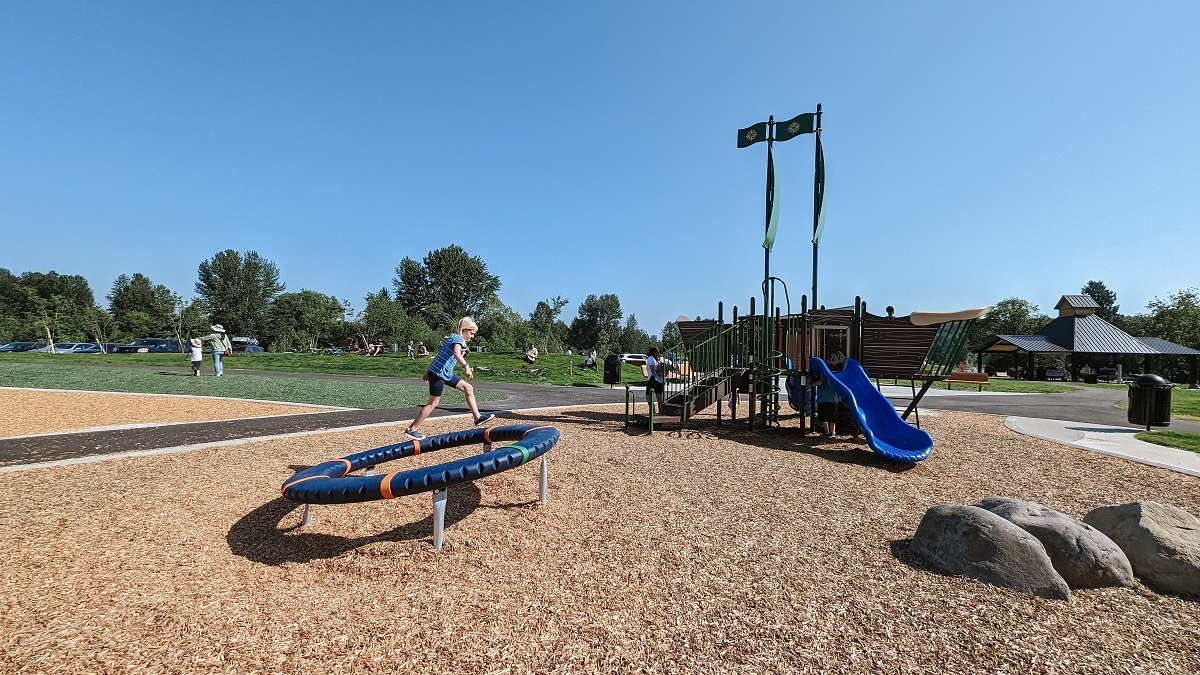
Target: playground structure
x,y
753,353
331,482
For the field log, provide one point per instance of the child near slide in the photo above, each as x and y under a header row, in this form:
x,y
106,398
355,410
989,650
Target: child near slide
x,y
441,373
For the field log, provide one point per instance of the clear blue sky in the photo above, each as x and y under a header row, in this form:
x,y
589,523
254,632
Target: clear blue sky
x,y
975,151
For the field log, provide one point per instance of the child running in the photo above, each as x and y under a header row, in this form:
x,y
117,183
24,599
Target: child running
x,y
441,373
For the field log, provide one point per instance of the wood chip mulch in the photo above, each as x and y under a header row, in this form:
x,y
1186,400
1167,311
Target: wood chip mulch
x,y
706,550
28,412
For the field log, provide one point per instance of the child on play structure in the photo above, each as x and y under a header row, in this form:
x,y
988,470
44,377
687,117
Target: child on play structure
x,y
441,373
827,399
655,381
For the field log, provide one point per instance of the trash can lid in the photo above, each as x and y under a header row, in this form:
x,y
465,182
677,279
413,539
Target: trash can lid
x,y
1149,381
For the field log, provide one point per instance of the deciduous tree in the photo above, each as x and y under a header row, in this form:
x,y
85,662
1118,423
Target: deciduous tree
x,y
598,324
446,286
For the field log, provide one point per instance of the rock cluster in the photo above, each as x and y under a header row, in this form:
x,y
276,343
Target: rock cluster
x,y
1030,548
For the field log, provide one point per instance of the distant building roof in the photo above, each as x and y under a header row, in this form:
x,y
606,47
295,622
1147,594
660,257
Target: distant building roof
x,y
1072,305
1089,334
1162,346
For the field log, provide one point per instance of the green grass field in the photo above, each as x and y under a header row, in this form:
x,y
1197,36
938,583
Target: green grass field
x,y
1181,440
342,393
555,369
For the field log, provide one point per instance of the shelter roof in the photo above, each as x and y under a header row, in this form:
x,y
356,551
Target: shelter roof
x,y
1162,346
1037,344
1076,301
1092,335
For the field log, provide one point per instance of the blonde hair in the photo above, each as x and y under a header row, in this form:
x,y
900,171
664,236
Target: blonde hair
x,y
467,323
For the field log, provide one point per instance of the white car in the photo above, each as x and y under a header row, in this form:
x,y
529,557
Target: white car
x,y
635,359
67,347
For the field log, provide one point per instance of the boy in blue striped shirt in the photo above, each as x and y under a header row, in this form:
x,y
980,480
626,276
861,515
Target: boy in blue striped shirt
x,y
441,373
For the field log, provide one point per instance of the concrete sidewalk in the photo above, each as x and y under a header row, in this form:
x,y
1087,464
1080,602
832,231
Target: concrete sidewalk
x,y
1107,440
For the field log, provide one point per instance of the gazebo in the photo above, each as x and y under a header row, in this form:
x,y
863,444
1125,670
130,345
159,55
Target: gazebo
x,y
1083,336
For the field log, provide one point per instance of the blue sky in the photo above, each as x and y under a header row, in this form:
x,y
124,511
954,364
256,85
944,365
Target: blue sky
x,y
975,151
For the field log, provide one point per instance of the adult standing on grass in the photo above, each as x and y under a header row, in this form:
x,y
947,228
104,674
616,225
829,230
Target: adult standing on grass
x,y
441,373
221,346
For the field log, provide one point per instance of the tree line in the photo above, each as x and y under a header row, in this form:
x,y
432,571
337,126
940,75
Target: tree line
x,y
243,292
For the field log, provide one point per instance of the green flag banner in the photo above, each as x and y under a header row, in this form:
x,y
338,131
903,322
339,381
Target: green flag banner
x,y
819,228
773,203
800,124
755,133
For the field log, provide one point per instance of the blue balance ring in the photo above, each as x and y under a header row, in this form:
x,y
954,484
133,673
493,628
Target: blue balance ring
x,y
328,483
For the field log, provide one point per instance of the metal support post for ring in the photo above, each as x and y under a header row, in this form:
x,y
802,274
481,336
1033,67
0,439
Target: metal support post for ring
x,y
545,481
370,471
439,517
487,447
306,519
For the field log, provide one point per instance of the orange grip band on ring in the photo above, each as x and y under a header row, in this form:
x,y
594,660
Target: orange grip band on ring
x,y
297,482
385,486
529,431
487,434
416,447
345,461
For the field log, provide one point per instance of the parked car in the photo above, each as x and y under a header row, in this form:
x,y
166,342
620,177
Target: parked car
x,y
635,359
151,345
80,348
246,349
20,346
109,347
62,347
88,348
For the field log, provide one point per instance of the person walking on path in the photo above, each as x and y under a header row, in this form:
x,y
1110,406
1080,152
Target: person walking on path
x,y
441,373
409,350
197,355
221,346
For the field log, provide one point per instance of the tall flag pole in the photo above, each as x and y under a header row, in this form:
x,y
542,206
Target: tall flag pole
x,y
818,203
771,131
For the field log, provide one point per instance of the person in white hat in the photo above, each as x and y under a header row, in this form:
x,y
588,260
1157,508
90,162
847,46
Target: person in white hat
x,y
221,346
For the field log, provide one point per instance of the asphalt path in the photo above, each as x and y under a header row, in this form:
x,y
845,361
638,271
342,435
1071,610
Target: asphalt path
x,y
64,446
1090,405
1087,405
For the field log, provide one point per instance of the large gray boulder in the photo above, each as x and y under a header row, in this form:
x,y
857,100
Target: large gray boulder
x,y
1083,555
982,545
1162,542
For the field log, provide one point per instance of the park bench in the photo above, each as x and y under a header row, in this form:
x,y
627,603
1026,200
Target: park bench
x,y
963,377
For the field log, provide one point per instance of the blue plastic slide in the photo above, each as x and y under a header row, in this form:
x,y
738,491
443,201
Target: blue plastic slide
x,y
887,433
796,392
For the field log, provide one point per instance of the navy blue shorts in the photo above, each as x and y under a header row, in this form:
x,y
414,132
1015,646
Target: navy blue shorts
x,y
437,384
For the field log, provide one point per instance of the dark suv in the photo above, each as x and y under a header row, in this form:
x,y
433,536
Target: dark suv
x,y
146,345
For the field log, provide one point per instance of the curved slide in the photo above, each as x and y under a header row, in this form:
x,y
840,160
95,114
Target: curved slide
x,y
887,433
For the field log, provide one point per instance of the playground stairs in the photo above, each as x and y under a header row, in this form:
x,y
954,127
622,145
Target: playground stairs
x,y
704,368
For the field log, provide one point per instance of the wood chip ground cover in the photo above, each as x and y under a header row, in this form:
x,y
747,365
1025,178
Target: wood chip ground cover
x,y
707,550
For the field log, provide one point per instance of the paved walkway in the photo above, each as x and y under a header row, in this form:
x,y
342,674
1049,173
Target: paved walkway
x,y
1087,419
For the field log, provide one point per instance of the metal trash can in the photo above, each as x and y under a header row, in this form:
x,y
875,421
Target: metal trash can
x,y
1149,401
612,369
